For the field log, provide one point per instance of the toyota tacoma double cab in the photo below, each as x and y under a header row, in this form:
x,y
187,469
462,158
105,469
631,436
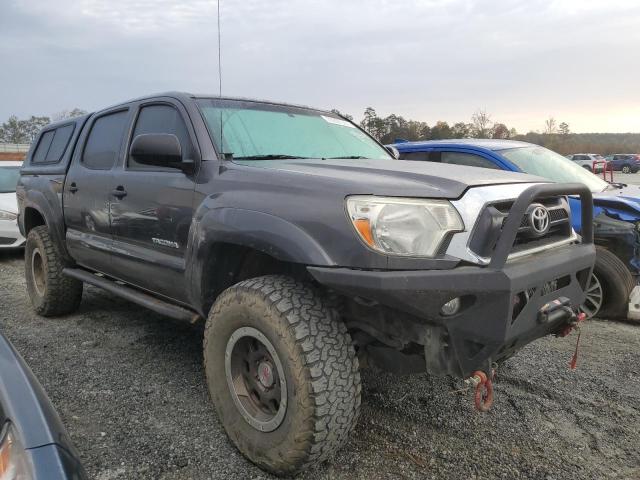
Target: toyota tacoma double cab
x,y
307,250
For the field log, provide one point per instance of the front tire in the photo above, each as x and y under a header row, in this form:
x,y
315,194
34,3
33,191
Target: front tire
x,y
51,292
609,288
282,373
586,167
626,169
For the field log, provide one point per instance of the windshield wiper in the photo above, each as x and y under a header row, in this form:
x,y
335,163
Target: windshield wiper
x,y
271,156
615,185
348,157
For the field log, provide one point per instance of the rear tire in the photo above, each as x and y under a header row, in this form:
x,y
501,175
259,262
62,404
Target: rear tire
x,y
616,282
586,167
626,169
303,351
51,292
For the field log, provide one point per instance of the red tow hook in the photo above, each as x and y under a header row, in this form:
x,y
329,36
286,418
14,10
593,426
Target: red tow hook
x,y
574,325
483,393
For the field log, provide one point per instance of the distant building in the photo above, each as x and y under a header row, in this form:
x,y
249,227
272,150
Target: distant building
x,y
13,151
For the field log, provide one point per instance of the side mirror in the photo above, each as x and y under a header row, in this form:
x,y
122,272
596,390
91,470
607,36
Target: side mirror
x,y
158,149
393,151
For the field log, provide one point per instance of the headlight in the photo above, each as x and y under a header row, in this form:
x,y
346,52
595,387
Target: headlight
x,y
13,461
403,226
4,215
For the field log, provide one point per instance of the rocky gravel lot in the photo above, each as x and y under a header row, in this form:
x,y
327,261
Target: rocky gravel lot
x,y
129,386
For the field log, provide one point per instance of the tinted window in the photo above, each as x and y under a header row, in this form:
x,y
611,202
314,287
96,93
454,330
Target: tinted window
x,y
162,119
103,144
469,159
420,156
59,143
40,155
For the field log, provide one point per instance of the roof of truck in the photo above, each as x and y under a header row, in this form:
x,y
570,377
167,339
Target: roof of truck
x,y
184,95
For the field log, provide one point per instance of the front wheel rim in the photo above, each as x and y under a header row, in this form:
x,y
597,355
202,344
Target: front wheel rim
x,y
595,295
37,272
625,169
256,379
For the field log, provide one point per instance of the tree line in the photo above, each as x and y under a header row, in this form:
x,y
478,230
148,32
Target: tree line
x,y
554,135
15,130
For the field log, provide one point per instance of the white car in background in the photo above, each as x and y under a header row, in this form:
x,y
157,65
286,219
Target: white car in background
x,y
585,160
10,236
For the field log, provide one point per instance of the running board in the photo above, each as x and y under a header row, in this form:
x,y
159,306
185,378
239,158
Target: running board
x,y
136,296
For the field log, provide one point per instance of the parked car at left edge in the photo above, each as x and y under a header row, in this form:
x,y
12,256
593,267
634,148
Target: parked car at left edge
x,y
34,444
616,209
10,236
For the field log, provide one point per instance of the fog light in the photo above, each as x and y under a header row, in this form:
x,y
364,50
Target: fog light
x,y
451,307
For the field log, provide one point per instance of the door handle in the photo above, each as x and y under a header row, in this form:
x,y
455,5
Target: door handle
x,y
73,188
119,192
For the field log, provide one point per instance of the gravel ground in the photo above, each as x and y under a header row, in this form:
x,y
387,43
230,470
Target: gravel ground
x,y
129,386
630,178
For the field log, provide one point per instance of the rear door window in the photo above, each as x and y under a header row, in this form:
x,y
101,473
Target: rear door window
x,y
419,156
469,159
103,144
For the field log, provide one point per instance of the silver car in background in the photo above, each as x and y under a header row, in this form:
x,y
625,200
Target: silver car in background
x,y
585,160
10,236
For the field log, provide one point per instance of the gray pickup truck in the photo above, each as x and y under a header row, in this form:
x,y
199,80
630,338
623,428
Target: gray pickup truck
x,y
306,248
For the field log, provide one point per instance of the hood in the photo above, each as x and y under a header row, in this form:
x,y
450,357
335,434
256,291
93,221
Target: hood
x,y
622,203
9,202
397,177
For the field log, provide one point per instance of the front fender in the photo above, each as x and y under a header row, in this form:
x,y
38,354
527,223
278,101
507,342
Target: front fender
x,y
260,231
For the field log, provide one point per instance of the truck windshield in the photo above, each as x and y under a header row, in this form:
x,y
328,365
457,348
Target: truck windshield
x,y
9,179
553,166
259,131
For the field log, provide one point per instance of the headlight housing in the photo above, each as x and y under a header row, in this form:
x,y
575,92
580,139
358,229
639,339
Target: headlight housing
x,y
13,460
4,215
403,226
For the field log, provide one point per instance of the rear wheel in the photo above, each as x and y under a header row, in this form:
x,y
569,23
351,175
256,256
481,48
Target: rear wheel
x,y
282,373
609,287
51,292
626,169
587,167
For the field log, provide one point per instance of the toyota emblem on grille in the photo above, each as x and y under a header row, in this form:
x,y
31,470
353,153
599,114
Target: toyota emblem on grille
x,y
539,219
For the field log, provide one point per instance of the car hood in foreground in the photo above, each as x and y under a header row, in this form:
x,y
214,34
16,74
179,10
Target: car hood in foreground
x,y
397,177
623,203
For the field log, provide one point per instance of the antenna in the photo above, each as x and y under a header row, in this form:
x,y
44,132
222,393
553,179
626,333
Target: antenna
x,y
219,56
220,78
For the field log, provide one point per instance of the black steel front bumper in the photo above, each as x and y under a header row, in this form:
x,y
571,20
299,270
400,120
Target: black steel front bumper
x,y
501,303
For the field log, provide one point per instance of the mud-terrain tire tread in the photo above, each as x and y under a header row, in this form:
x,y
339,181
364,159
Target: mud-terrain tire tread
x,y
330,365
62,294
617,283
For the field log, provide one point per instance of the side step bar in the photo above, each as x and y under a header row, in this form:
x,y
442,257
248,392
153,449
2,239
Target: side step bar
x,y
135,296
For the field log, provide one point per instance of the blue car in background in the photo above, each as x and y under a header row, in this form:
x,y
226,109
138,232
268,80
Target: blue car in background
x,y
616,208
624,162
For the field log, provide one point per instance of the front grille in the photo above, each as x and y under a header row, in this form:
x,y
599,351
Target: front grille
x,y
494,216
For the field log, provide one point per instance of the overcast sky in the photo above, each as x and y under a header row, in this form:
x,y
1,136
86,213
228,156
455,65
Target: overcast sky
x,y
521,61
